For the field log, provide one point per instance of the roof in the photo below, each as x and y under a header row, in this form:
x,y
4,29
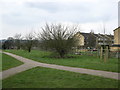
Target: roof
x,y
95,35
116,45
85,34
88,36
111,36
117,28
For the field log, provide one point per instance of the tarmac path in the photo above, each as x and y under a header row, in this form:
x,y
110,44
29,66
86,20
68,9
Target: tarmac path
x,y
28,64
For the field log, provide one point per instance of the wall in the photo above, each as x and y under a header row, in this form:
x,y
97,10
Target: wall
x,y
80,39
117,36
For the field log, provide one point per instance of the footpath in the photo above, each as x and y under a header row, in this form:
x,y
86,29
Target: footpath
x,y
28,64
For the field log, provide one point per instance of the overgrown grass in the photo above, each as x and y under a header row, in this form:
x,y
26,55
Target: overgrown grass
x,y
9,62
40,77
81,61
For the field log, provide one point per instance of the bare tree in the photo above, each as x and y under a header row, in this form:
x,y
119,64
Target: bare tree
x,y
58,38
29,41
18,39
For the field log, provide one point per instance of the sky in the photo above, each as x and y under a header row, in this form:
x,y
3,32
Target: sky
x,y
119,13
24,16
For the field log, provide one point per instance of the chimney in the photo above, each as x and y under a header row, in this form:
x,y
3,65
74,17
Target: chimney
x,y
92,31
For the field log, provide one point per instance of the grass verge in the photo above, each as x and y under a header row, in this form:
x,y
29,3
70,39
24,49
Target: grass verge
x,y
9,62
81,61
40,77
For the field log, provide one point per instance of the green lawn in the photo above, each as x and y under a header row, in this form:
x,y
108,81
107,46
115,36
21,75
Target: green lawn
x,y
40,77
9,62
81,61
0,62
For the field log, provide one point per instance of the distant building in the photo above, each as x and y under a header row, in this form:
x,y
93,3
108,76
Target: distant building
x,y
116,45
91,40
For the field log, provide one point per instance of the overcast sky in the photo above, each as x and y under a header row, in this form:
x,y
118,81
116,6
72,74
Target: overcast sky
x,y
23,16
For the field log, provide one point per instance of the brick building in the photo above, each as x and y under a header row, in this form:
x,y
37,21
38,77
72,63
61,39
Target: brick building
x,y
92,40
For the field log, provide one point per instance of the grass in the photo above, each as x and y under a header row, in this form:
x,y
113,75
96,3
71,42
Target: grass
x,y
40,77
81,61
0,62
9,62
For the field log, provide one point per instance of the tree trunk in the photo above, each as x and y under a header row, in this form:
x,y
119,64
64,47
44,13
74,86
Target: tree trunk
x,y
18,47
62,53
29,50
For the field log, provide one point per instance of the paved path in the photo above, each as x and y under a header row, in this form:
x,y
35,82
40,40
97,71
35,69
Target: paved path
x,y
30,64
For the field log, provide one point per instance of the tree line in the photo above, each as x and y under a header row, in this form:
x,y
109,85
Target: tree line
x,y
57,38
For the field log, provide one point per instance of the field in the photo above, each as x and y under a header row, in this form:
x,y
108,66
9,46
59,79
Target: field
x,y
9,62
40,77
81,61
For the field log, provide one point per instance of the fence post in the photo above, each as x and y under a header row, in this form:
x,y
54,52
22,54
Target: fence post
x,y
98,53
106,54
101,53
